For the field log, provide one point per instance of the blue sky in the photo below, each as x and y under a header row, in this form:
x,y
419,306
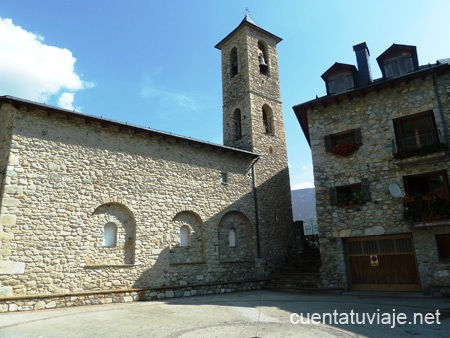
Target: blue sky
x,y
153,63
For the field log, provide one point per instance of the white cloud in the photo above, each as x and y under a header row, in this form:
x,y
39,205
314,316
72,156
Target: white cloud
x,y
150,91
35,71
66,101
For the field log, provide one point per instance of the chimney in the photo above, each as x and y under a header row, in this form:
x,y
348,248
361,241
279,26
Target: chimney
x,y
362,58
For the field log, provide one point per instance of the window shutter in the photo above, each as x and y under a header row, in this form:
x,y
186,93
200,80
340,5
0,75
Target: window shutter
x,y
328,143
408,64
333,196
365,187
349,83
358,136
332,87
388,69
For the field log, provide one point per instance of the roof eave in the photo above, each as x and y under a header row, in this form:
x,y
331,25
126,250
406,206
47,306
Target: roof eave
x,y
22,102
374,86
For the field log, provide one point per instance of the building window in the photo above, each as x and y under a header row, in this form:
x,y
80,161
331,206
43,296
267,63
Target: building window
x,y
443,245
237,124
340,82
234,62
415,131
185,234
398,66
232,237
426,197
110,235
223,178
267,118
344,143
425,184
263,60
350,194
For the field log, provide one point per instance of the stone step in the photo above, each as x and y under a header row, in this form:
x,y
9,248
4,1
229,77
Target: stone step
x,y
300,274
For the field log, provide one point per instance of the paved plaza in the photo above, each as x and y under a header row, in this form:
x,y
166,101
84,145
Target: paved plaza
x,y
245,314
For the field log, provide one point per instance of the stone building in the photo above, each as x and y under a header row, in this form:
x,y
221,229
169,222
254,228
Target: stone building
x,y
96,211
381,165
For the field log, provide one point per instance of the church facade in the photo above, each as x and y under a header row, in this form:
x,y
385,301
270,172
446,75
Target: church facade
x,y
96,211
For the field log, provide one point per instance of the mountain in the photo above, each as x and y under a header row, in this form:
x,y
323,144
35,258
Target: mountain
x,y
303,204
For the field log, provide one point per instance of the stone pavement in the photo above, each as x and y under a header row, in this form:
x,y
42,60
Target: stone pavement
x,y
246,314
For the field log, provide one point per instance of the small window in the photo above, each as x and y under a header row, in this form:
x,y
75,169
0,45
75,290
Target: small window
x,y
345,143
223,178
237,124
185,234
234,62
110,235
232,237
443,245
267,118
350,194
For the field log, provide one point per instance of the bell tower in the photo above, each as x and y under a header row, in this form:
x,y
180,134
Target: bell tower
x,y
253,121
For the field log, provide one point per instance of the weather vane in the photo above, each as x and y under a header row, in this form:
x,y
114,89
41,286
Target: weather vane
x,y
246,11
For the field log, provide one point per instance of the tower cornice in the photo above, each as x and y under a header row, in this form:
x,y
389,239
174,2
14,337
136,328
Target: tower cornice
x,y
247,22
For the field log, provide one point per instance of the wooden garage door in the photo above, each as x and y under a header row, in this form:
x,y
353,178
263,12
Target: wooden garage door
x,y
382,263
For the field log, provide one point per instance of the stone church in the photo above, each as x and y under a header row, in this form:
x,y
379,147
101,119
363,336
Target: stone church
x,y
97,211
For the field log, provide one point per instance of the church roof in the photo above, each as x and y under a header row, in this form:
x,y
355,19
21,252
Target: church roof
x,y
247,21
17,102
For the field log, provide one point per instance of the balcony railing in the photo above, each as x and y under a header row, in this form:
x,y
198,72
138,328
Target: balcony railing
x,y
426,208
418,145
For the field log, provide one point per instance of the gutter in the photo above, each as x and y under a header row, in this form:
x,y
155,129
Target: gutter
x,y
255,198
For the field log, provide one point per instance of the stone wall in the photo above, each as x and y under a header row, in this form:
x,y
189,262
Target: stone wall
x,y
374,162
68,176
52,301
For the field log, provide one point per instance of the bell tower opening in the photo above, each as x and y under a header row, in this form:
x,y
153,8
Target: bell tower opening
x,y
262,58
233,62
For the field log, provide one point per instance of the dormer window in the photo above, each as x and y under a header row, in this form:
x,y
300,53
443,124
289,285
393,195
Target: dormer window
x,y
340,83
339,78
398,60
398,66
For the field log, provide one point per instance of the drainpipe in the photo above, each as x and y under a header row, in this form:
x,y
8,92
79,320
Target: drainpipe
x,y
441,112
255,198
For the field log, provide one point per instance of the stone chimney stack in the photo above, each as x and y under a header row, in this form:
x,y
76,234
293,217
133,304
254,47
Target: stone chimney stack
x,y
362,58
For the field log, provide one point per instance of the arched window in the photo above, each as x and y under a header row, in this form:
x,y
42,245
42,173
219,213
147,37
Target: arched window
x,y
185,234
237,124
262,58
267,118
233,62
232,237
110,235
